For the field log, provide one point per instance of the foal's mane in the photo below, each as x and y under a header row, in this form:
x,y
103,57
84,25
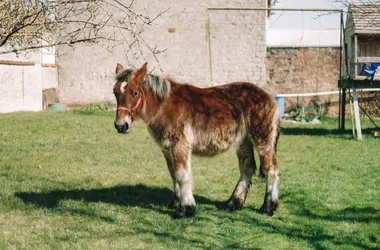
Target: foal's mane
x,y
158,85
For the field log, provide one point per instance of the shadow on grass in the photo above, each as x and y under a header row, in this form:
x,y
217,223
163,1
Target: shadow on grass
x,y
322,132
313,209
314,222
318,236
127,195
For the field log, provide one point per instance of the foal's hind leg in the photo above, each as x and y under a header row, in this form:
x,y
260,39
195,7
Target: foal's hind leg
x,y
170,162
247,168
269,169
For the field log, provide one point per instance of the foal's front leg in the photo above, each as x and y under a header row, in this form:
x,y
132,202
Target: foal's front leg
x,y
174,203
183,176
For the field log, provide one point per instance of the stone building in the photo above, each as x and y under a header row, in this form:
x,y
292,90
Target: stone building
x,y
203,47
304,61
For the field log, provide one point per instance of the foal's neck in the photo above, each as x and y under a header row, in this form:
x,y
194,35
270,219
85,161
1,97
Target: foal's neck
x,y
151,107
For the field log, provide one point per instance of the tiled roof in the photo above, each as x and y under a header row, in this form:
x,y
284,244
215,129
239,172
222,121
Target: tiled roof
x,y
364,18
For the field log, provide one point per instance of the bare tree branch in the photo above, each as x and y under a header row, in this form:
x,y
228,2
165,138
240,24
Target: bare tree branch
x,y
25,24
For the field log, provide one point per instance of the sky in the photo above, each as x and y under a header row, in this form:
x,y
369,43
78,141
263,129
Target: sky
x,y
305,20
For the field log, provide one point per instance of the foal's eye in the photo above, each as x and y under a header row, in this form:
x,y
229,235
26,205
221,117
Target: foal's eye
x,y
135,93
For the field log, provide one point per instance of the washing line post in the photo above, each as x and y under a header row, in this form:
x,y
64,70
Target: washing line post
x,y
343,117
357,115
342,96
208,51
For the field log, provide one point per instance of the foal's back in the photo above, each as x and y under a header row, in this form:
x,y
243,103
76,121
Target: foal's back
x,y
218,118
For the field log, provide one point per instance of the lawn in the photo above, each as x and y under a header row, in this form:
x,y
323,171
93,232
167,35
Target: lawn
x,y
68,180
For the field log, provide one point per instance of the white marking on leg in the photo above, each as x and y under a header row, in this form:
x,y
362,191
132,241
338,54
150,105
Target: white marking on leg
x,y
176,189
242,187
184,179
274,187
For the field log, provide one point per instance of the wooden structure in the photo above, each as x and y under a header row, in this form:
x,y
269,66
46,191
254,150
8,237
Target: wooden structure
x,y
361,45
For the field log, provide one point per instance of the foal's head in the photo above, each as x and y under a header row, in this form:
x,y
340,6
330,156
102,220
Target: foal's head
x,y
129,94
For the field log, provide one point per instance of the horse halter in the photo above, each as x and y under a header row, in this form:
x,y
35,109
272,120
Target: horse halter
x,y
132,110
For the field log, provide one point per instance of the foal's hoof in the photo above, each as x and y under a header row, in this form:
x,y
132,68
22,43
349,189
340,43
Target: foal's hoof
x,y
174,203
269,212
184,211
265,212
233,204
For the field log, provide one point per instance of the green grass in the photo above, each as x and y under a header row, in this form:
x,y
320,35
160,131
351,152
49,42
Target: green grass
x,y
69,181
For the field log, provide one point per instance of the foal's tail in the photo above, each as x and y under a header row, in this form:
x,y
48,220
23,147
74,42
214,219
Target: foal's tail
x,y
278,131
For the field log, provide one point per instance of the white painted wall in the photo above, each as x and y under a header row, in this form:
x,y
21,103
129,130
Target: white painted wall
x,y
32,86
21,86
11,88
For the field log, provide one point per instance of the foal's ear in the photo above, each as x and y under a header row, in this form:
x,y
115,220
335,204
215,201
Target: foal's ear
x,y
143,69
141,73
119,68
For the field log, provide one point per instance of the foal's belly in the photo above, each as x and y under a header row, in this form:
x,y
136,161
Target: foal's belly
x,y
209,144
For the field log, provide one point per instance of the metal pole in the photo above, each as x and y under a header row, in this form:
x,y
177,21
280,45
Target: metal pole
x,y
340,69
208,38
343,123
339,108
277,9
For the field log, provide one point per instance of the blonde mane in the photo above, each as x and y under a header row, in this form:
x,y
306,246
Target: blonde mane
x,y
159,85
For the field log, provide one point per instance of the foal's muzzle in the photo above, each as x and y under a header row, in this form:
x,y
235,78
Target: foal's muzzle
x,y
124,128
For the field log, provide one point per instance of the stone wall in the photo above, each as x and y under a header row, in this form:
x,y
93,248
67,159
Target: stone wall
x,y
237,48
304,70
